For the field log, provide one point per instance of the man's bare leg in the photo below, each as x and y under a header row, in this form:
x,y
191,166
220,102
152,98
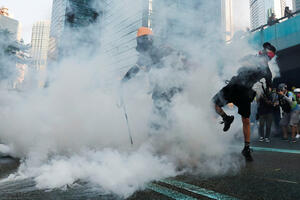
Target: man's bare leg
x,y
285,132
220,111
247,133
246,129
294,132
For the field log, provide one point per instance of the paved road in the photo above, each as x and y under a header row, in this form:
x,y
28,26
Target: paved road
x,y
7,165
275,174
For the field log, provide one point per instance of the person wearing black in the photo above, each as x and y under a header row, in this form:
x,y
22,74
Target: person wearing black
x,y
288,12
276,113
265,114
239,91
272,20
150,59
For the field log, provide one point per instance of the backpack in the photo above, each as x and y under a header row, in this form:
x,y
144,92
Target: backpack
x,y
285,105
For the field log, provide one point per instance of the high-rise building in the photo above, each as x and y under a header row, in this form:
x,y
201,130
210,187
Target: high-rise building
x,y
57,27
66,15
119,25
296,5
227,19
261,10
177,17
39,44
13,70
9,24
169,19
289,3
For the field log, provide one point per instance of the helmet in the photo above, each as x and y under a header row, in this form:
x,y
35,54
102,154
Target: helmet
x,y
282,86
297,90
144,31
144,39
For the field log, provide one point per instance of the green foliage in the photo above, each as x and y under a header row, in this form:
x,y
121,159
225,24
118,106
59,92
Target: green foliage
x,y
11,53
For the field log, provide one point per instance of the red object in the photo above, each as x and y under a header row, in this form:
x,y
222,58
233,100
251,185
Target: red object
x,y
144,31
270,54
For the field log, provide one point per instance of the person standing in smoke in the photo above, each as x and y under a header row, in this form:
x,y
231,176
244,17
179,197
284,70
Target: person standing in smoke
x,y
163,64
239,91
264,111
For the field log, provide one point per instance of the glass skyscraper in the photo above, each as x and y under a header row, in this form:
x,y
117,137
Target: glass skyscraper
x,y
68,14
80,13
260,10
296,5
39,44
169,19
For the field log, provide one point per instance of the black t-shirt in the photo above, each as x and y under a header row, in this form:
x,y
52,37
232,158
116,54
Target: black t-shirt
x,y
255,69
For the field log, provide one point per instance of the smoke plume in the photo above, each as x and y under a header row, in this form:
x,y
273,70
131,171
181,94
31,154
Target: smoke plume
x,y
75,129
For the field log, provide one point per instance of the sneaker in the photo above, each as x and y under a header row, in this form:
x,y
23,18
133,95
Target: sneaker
x,y
227,122
298,136
247,154
267,140
261,139
294,140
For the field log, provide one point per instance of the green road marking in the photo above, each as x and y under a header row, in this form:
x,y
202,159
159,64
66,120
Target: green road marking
x,y
275,150
168,192
197,190
277,180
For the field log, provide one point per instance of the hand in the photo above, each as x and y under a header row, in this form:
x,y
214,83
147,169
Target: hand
x,y
280,93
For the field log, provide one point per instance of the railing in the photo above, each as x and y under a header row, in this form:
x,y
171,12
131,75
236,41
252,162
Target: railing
x,y
276,21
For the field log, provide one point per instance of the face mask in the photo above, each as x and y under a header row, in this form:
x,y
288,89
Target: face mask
x,y
144,43
271,54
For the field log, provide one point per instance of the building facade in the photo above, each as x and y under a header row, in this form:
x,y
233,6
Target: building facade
x,y
66,15
170,21
227,19
39,44
57,27
14,56
296,5
261,10
11,25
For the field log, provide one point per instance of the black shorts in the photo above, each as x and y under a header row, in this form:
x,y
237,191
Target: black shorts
x,y
239,95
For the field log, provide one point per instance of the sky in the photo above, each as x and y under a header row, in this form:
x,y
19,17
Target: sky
x,y
30,11
241,14
27,12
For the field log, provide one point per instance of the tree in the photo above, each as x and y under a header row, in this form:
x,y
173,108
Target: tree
x,y
12,53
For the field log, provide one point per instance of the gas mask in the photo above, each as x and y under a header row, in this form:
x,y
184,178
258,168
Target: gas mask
x,y
144,43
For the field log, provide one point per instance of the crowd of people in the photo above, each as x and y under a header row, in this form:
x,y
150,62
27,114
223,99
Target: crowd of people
x,y
279,107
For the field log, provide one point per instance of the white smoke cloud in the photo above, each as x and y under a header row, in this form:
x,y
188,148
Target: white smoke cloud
x,y
74,130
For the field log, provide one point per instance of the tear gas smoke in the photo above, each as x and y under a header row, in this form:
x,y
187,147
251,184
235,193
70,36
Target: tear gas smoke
x,y
74,130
